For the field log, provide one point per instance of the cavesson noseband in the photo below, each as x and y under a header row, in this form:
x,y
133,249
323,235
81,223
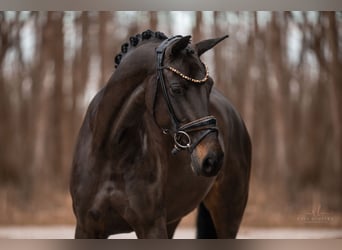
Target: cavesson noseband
x,y
180,133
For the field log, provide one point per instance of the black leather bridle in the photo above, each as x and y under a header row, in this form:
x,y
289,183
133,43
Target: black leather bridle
x,y
203,126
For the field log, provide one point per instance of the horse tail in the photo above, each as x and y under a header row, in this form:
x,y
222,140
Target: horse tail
x,y
204,224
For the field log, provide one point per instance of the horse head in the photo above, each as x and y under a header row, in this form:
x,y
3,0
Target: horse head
x,y
181,102
176,90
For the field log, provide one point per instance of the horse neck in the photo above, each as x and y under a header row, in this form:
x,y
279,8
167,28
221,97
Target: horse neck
x,y
136,67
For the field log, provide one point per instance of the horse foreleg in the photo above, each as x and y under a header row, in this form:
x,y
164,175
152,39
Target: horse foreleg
x,y
204,223
226,203
171,228
152,229
225,219
80,233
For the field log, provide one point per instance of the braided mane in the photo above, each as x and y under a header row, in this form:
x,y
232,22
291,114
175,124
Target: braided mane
x,y
135,40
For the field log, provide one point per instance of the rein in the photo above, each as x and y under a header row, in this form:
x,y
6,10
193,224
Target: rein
x,y
203,126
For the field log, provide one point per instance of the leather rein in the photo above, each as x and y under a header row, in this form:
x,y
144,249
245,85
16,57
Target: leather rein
x,y
202,126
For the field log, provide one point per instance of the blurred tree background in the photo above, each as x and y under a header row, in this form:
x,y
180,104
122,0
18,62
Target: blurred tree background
x,y
282,70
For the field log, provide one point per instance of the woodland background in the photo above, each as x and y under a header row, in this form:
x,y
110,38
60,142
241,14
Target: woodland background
x,y
282,70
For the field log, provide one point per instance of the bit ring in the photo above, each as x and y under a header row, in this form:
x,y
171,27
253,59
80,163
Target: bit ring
x,y
178,135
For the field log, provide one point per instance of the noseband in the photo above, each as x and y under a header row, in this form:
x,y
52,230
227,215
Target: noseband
x,y
203,126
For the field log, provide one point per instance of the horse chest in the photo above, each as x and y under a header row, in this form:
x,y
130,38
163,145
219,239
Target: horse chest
x,y
184,191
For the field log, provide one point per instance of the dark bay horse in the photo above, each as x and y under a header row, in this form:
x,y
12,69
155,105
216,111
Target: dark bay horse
x,y
158,141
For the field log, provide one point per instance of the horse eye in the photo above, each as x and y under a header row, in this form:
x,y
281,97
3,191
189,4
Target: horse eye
x,y
176,89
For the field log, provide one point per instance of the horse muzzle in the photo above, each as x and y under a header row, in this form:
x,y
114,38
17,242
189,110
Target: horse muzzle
x,y
200,138
207,157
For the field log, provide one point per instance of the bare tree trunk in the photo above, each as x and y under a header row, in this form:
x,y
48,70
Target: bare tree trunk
x,y
9,171
335,87
252,77
335,91
39,108
196,30
6,170
106,60
219,63
80,70
153,20
263,137
279,84
55,22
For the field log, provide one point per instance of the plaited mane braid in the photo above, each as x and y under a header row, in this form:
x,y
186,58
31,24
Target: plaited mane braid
x,y
135,40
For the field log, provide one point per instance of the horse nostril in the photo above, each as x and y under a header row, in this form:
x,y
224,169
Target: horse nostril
x,y
208,164
211,164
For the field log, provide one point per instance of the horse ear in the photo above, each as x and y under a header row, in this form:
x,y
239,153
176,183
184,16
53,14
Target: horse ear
x,y
180,44
206,45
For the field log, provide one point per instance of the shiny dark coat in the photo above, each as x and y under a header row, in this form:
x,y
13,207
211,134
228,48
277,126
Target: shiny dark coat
x,y
124,177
